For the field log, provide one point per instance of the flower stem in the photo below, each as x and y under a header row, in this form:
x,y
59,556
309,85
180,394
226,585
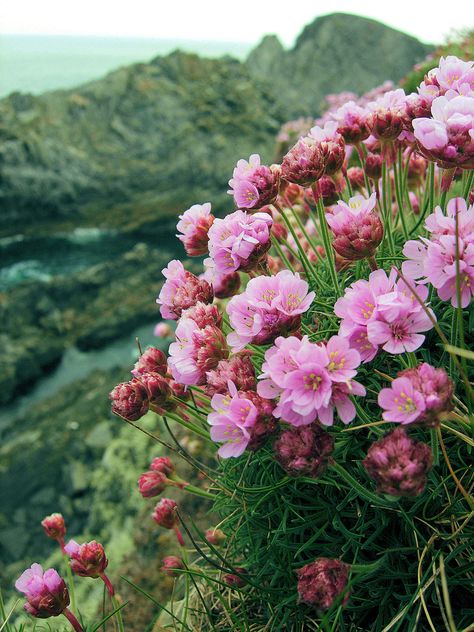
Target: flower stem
x,y
179,536
327,242
72,620
198,492
108,584
372,263
70,580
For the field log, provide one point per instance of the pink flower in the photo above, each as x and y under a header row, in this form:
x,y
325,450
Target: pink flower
x,y
398,464
194,226
357,227
268,307
195,352
448,137
223,285
152,360
233,580
304,164
351,122
401,402
254,185
419,395
203,315
322,582
162,464
215,536
130,400
46,593
238,369
304,451
240,241
231,421
181,290
435,260
380,313
308,381
152,483
55,527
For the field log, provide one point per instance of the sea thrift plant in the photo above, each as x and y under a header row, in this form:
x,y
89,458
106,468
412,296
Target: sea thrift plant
x,y
333,303
55,528
89,560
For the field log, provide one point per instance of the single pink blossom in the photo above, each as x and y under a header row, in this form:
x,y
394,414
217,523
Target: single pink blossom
x,y
194,226
322,582
181,290
254,185
46,593
401,402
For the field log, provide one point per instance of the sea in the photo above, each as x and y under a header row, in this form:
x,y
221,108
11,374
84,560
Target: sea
x,y
38,63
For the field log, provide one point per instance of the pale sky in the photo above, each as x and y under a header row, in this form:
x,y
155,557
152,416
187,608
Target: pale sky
x,y
224,20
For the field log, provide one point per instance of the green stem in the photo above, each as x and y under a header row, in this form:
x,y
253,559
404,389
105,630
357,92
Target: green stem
x,y
116,606
399,186
70,580
190,426
386,205
327,242
198,492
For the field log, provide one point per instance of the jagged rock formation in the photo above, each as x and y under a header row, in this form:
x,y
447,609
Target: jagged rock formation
x,y
336,52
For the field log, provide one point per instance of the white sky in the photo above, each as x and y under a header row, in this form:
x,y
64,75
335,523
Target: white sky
x,y
224,20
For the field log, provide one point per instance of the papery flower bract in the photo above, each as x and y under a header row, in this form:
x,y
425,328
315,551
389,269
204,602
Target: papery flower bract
x,y
152,483
165,514
268,307
357,227
181,290
265,423
162,464
254,185
194,226
331,145
398,464
240,241
304,163
46,593
223,285
231,421
351,122
238,369
130,399
195,352
203,315
322,581
55,527
304,451
88,559
387,115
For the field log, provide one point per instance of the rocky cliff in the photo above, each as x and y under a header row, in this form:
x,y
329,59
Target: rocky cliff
x,y
336,52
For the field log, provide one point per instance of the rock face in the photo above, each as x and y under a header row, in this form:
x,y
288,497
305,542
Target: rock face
x,y
336,52
166,134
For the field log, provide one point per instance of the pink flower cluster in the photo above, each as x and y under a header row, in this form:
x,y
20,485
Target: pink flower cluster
x,y
254,185
311,380
417,395
236,418
382,313
270,306
240,241
438,259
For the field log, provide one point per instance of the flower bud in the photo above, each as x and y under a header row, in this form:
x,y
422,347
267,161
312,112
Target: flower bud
x,y
203,315
130,400
436,388
373,166
328,190
88,559
181,290
323,581
304,450
152,483
215,536
304,163
152,360
165,514
162,330
170,564
159,391
162,464
279,231
46,593
254,185
356,178
55,527
398,464
265,424
194,225
238,369
235,581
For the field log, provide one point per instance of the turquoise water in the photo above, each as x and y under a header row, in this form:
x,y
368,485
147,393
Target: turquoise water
x,y
31,63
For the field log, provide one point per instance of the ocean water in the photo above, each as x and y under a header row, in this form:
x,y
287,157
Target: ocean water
x,y
31,63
